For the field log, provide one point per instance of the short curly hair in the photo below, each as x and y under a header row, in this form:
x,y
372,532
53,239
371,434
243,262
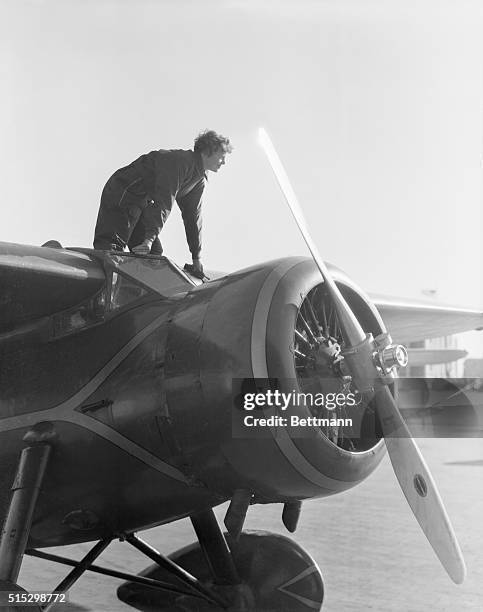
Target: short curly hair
x,y
209,141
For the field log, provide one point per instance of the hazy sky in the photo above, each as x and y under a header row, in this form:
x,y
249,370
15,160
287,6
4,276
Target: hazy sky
x,y
375,107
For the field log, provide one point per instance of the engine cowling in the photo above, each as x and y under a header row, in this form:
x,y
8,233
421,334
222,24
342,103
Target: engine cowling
x,y
243,327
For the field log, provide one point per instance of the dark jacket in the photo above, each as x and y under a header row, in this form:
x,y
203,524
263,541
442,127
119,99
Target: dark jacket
x,y
163,177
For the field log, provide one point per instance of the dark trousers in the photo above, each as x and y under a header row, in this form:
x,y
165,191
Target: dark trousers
x,y
119,221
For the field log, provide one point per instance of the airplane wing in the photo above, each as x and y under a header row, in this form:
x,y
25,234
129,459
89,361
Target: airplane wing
x,y
410,320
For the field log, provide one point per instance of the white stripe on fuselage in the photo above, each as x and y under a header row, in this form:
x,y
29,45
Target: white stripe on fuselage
x,y
66,410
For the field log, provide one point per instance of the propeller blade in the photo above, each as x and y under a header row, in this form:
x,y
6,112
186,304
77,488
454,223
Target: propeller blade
x,y
350,325
418,486
411,471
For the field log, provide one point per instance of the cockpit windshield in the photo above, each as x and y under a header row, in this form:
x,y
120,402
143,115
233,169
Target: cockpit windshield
x,y
157,274
129,277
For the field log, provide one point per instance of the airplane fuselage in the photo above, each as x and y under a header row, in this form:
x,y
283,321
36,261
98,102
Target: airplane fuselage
x,y
137,383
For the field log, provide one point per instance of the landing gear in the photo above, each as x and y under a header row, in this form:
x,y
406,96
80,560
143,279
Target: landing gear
x,y
259,571
256,571
179,582
25,489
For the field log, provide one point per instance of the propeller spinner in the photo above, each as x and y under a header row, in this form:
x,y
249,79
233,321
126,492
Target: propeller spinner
x,y
372,364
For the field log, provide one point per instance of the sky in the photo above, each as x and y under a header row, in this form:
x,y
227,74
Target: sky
x,y
375,107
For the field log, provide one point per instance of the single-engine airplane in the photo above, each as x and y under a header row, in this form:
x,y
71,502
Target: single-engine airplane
x,y
119,411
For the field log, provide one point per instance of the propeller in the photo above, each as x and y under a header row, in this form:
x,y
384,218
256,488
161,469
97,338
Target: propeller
x,y
372,363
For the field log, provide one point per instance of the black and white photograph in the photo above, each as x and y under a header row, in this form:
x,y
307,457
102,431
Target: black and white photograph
x,y
241,305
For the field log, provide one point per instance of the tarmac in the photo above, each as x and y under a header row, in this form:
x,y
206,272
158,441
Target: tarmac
x,y
366,542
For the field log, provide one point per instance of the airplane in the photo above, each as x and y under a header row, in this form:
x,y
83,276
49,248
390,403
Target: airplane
x,y
121,408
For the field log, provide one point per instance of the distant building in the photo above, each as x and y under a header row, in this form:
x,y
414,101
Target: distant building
x,y
473,368
453,369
